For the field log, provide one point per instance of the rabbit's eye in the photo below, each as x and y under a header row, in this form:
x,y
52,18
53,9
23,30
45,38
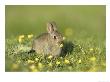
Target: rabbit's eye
x,y
54,37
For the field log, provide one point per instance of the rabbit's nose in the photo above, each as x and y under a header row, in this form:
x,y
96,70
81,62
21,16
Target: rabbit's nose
x,y
60,45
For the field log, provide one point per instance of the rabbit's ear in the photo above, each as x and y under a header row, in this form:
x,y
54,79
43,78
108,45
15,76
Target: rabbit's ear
x,y
51,27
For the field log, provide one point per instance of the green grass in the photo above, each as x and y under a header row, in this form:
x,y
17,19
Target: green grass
x,y
83,27
85,56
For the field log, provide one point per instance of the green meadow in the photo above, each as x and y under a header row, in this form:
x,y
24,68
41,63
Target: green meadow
x,y
84,28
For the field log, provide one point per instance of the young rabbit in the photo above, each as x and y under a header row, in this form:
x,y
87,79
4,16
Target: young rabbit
x,y
49,43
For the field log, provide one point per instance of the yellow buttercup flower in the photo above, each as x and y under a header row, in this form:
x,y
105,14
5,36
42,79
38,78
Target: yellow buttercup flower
x,y
30,61
32,67
91,49
20,39
15,66
36,59
40,65
93,59
64,38
30,36
61,45
21,36
50,57
79,61
58,62
18,61
66,61
34,70
61,57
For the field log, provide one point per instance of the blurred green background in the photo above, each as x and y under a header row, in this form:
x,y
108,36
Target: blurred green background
x,y
78,21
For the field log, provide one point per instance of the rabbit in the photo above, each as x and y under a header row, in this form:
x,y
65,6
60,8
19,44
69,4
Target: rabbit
x,y
49,43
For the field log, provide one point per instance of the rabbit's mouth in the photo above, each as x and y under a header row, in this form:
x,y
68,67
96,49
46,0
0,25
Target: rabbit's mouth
x,y
60,44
